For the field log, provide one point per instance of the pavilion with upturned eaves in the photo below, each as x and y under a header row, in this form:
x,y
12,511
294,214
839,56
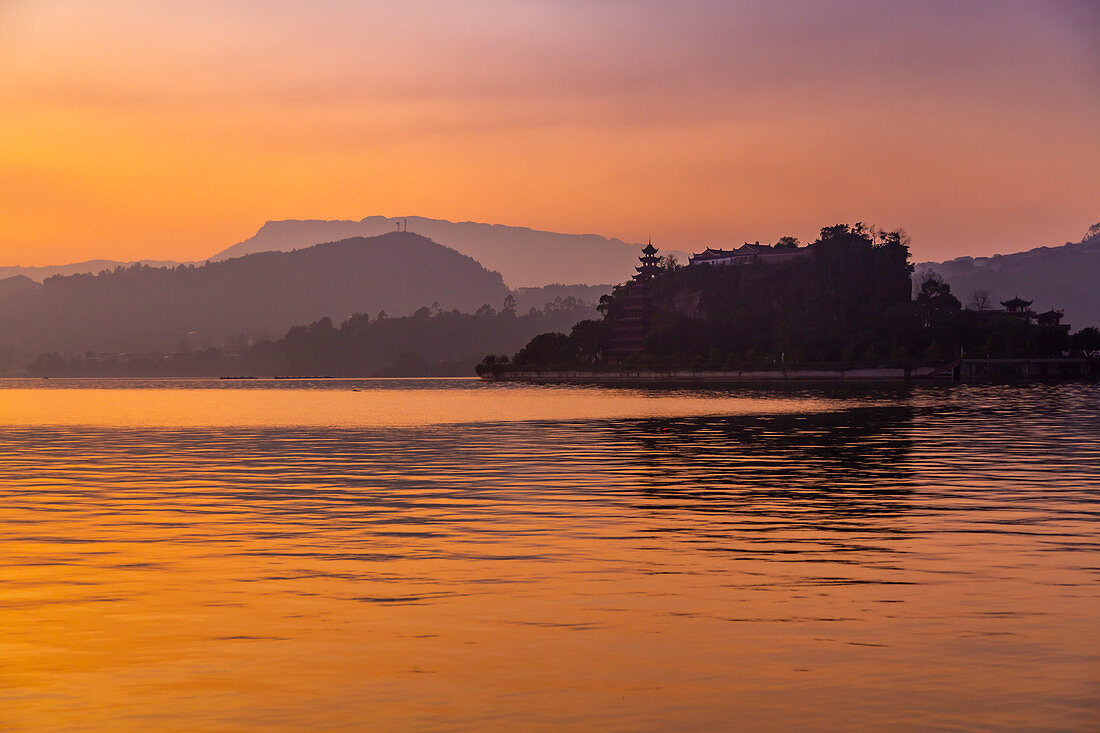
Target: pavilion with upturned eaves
x,y
1051,317
1017,307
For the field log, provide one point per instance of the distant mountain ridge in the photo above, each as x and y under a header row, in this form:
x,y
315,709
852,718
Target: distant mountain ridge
x,y
263,293
140,309
40,273
1063,277
524,257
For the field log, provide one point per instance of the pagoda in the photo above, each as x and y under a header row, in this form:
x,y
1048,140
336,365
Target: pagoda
x,y
628,321
650,263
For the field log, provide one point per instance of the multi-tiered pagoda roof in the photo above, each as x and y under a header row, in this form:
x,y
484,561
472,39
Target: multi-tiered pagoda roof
x,y
651,263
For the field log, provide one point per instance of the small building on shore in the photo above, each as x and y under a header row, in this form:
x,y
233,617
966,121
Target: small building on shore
x,y
1017,307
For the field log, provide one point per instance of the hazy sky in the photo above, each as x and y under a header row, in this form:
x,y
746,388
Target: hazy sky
x,y
174,129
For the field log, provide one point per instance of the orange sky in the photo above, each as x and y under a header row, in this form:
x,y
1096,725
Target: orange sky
x,y
174,129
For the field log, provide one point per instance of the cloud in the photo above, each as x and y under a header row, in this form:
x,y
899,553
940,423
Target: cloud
x,y
789,107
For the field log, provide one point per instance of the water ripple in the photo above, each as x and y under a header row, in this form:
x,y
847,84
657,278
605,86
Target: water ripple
x,y
809,558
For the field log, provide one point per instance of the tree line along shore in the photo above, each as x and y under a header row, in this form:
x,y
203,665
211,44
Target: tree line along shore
x,y
431,342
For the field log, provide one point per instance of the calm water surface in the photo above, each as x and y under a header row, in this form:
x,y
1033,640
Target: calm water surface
x,y
447,555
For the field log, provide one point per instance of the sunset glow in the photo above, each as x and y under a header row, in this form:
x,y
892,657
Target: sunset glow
x,y
549,365
171,130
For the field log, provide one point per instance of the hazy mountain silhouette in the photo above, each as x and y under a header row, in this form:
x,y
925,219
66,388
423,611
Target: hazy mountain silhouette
x,y
140,309
524,257
1052,277
527,298
76,268
16,284
431,342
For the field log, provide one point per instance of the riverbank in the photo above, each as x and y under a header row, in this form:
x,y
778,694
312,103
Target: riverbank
x,y
963,369
716,376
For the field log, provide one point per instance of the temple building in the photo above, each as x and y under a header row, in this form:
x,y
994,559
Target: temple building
x,y
747,254
1018,306
1050,318
650,262
629,321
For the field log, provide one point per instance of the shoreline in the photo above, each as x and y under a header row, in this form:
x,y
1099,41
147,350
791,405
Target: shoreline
x,y
716,376
959,370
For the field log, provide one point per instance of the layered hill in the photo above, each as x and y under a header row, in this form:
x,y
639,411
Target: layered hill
x,y
1051,277
524,257
539,298
427,343
141,308
40,273
16,284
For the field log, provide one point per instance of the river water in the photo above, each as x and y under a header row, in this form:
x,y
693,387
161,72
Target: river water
x,y
451,555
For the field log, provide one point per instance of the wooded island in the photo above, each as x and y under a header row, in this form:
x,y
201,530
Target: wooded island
x,y
844,302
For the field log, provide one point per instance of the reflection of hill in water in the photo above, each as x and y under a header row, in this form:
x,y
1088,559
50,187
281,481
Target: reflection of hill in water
x,y
761,486
842,463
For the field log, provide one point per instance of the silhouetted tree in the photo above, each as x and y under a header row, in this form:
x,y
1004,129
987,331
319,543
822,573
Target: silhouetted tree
x,y
1087,340
935,301
1048,341
546,349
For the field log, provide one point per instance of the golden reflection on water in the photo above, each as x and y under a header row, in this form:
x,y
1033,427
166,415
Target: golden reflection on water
x,y
349,403
911,560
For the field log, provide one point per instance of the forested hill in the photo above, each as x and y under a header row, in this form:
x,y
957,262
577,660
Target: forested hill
x,y
537,298
40,273
15,285
525,257
142,309
1051,277
427,343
